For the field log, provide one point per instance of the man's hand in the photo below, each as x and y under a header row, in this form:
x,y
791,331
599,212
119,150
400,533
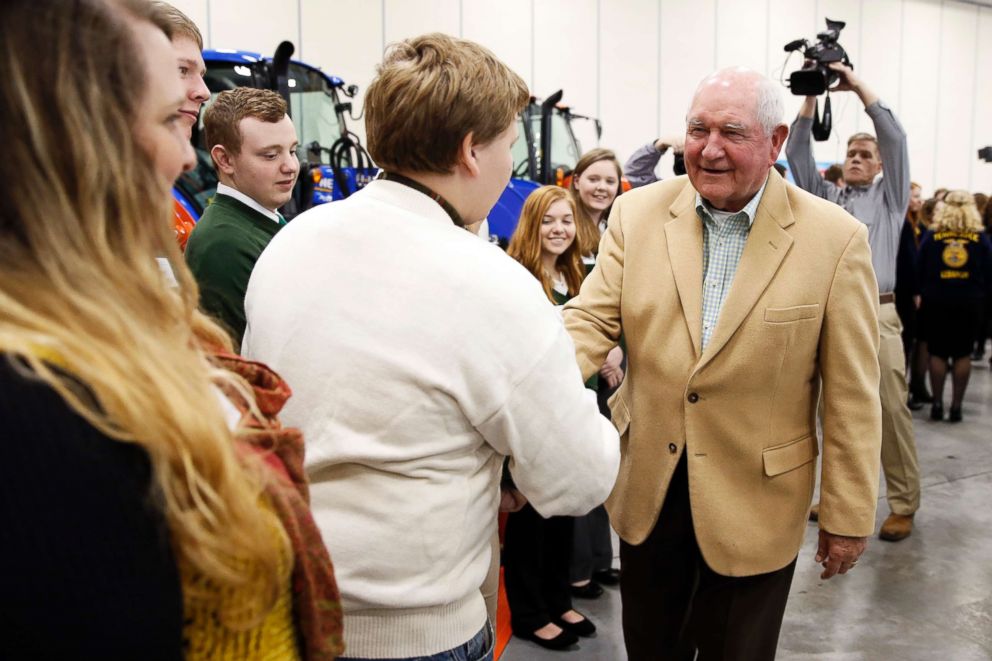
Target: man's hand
x,y
838,554
611,370
675,141
511,500
850,83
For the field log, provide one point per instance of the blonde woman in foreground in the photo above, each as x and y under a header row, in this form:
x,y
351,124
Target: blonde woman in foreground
x,y
143,515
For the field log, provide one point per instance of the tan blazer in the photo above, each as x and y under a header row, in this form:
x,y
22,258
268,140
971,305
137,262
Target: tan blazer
x,y
803,306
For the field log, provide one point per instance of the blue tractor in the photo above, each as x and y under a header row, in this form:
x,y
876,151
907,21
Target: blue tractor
x,y
545,153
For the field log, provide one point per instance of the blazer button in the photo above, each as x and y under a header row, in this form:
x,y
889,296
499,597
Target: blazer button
x,y
673,448
693,398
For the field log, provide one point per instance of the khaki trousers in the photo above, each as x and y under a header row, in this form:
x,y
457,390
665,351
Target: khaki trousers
x,y
899,462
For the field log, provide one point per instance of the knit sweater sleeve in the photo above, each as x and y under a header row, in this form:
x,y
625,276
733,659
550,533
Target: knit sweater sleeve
x,y
564,456
87,567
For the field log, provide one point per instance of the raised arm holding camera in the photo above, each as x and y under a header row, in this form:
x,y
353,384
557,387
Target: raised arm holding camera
x,y
880,203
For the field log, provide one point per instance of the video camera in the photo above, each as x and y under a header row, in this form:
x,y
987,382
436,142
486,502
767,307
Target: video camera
x,y
816,76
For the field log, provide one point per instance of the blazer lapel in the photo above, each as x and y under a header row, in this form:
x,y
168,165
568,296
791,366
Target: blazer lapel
x,y
684,236
767,245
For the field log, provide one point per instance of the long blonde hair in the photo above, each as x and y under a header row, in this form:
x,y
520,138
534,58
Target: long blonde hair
x,y
525,244
958,214
82,220
587,230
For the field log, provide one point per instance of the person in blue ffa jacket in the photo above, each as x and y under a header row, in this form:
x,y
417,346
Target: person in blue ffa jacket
x,y
955,277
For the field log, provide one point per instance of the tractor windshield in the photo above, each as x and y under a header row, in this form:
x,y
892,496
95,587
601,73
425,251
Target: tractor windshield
x,y
523,164
312,100
565,150
312,106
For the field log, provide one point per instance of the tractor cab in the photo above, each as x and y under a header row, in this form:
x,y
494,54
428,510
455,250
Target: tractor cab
x,y
545,152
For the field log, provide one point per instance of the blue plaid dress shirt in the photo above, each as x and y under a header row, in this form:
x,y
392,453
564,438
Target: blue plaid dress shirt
x,y
723,244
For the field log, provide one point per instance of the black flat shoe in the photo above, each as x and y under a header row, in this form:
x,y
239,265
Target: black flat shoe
x,y
562,641
607,576
585,628
914,404
954,415
591,590
937,412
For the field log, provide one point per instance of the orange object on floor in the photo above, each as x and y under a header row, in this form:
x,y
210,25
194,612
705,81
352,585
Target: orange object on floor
x,y
503,631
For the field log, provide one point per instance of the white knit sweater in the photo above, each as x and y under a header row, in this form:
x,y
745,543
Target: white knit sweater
x,y
418,357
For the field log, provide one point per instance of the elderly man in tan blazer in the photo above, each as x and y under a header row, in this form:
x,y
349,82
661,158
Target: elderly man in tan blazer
x,y
738,295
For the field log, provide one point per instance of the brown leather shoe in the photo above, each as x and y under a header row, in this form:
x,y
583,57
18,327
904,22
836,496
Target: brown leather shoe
x,y
814,512
896,527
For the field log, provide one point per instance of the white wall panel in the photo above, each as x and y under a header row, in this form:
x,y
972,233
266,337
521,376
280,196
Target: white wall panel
x,y
255,25
565,54
410,18
629,75
505,28
742,34
344,38
635,63
981,178
957,61
880,58
687,55
197,12
789,20
847,108
920,72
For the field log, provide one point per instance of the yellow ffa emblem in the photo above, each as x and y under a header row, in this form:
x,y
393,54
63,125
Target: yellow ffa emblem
x,y
955,254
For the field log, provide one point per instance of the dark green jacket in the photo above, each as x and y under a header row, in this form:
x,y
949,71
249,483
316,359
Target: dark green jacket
x,y
221,253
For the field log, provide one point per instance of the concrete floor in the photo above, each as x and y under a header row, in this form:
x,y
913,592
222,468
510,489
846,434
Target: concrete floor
x,y
928,597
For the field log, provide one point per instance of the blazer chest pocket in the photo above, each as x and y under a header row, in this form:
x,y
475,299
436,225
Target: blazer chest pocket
x,y
795,313
788,456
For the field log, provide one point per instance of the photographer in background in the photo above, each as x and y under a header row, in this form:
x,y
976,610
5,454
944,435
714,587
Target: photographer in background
x,y
879,203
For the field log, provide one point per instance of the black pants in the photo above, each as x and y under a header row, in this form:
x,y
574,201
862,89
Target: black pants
x,y
536,558
593,547
593,542
675,605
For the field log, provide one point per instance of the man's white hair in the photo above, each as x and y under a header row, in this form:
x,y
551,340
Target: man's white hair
x,y
769,107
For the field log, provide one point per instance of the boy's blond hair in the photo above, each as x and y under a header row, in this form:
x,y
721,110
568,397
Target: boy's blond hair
x,y
432,91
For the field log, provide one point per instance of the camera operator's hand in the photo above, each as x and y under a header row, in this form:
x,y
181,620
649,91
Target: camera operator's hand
x,y
850,83
676,141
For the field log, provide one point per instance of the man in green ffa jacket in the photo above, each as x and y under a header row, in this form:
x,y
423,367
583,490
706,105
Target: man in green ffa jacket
x,y
253,145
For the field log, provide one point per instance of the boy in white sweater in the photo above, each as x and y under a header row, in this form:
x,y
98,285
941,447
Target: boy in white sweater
x,y
420,356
